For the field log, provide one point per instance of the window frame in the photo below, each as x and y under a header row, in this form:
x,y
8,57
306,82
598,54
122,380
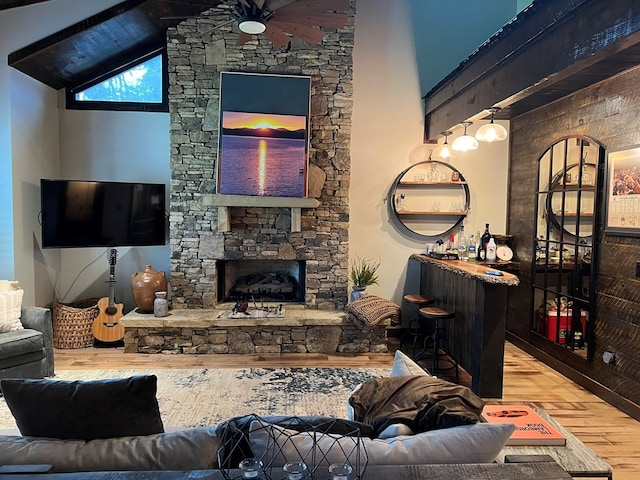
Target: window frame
x,y
163,106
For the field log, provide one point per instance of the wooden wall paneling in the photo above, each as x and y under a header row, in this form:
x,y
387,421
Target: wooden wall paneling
x,y
607,112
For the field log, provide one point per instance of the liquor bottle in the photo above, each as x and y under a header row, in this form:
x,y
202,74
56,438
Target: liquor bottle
x,y
479,254
462,244
486,236
490,256
471,248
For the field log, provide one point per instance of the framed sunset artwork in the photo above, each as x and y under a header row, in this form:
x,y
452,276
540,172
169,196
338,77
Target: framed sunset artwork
x,y
264,135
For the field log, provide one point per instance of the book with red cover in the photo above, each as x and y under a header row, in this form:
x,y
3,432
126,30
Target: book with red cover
x,y
531,428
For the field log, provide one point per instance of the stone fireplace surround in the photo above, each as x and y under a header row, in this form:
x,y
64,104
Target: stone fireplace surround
x,y
201,233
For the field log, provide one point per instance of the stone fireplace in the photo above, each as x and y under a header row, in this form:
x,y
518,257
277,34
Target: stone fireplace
x,y
257,230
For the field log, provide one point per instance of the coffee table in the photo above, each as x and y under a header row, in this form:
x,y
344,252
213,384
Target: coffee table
x,y
575,457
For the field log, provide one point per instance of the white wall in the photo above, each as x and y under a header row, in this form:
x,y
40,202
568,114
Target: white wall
x,y
387,137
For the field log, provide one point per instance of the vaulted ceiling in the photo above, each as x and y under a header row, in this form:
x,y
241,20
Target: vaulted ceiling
x,y
103,42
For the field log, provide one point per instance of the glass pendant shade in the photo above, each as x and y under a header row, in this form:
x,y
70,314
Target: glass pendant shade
x,y
491,132
443,150
252,26
465,142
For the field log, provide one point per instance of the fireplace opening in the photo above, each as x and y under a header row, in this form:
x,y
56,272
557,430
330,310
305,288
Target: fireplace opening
x,y
261,280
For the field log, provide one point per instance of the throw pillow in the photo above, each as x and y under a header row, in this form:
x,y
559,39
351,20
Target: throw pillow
x,y
477,443
84,410
10,305
403,365
419,401
187,449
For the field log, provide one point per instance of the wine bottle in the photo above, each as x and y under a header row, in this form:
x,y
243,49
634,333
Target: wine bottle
x,y
479,255
462,244
486,236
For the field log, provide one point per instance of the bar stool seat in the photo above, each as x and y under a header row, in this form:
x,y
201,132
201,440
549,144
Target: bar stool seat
x,y
416,329
439,341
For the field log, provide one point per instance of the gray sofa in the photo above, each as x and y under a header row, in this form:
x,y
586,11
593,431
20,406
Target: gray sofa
x,y
28,353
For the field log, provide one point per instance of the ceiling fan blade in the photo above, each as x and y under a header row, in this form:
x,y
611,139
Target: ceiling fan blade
x,y
276,36
259,3
274,5
218,26
329,20
308,34
244,38
319,6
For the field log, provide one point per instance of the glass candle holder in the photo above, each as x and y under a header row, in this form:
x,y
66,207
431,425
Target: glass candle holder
x,y
251,468
340,471
295,470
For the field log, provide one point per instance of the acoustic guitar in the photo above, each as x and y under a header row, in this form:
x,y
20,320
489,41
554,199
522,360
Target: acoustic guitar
x,y
107,327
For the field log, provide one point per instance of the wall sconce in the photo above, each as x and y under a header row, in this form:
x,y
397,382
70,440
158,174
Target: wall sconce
x,y
443,150
491,132
465,142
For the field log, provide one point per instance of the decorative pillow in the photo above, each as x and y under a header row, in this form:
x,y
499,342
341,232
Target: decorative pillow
x,y
188,449
10,305
403,365
478,443
419,401
84,410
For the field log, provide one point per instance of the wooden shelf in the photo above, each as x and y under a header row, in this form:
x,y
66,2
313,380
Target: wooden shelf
x,y
446,214
223,202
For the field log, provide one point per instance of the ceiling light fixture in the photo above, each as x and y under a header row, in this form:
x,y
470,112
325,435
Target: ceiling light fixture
x,y
491,132
443,150
465,142
251,25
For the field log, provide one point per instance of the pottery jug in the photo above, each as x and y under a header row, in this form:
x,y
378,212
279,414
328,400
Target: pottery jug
x,y
144,286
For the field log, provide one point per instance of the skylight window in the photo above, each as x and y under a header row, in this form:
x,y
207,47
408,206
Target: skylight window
x,y
137,87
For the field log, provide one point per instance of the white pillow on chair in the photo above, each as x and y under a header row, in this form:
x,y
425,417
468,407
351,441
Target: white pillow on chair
x,y
10,306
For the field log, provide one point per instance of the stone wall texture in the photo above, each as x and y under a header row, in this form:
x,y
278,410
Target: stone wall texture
x,y
196,57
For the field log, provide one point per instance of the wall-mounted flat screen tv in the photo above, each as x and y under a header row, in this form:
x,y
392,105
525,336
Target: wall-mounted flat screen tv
x,y
102,214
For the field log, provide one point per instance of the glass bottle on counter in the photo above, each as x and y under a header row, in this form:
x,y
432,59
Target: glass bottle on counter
x,y
484,240
462,245
479,254
490,256
471,248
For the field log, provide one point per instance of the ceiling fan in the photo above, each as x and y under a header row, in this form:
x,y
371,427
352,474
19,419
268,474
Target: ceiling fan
x,y
278,19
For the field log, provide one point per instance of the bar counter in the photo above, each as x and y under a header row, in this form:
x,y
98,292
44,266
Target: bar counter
x,y
476,336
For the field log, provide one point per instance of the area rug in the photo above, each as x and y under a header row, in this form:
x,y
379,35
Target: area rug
x,y
200,397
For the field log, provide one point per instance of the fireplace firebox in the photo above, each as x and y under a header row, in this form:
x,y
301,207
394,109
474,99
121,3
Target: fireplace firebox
x,y
261,280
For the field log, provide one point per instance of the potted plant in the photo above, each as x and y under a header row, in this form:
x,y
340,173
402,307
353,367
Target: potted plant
x,y
363,273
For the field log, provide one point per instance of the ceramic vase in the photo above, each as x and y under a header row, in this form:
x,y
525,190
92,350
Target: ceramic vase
x,y
160,305
356,293
144,286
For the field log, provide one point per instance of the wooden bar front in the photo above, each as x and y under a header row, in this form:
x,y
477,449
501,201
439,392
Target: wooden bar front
x,y
476,337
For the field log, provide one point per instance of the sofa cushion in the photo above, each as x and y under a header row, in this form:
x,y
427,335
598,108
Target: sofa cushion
x,y
422,402
477,443
20,342
10,305
188,449
84,410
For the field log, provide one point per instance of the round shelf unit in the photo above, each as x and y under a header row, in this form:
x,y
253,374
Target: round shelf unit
x,y
429,198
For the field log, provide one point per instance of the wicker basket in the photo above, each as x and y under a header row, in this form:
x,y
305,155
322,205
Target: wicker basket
x,y
73,322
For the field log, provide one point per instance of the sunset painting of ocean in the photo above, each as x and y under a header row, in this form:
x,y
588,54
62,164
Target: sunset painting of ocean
x,y
262,154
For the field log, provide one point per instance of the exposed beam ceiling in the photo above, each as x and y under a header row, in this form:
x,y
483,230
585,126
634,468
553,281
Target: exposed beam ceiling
x,y
552,49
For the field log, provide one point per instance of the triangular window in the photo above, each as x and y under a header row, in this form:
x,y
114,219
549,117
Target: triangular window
x,y
137,87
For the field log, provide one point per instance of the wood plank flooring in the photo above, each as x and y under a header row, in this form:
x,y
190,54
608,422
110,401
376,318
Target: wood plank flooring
x,y
612,434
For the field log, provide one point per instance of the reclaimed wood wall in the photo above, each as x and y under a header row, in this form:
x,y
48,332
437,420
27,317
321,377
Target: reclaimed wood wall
x,y
609,113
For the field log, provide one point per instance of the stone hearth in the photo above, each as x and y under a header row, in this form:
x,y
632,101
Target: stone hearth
x,y
203,331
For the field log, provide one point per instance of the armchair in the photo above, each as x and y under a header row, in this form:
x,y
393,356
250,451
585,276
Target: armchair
x,y
28,353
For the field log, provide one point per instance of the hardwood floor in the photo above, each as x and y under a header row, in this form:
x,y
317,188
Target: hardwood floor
x,y
612,434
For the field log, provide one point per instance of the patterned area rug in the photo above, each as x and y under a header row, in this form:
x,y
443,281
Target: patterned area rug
x,y
200,397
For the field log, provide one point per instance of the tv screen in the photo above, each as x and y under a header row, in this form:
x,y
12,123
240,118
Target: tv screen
x,y
102,214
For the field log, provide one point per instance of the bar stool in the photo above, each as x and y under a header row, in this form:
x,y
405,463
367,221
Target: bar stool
x,y
416,327
439,341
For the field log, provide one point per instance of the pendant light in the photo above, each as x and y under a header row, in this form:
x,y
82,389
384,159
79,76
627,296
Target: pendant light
x,y
491,132
465,142
443,150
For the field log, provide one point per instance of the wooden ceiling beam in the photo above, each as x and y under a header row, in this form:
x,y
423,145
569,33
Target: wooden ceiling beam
x,y
550,50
